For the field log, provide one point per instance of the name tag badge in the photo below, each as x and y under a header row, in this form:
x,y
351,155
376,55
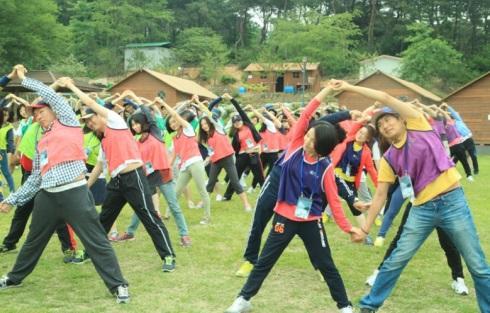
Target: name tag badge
x,y
43,156
88,151
210,151
149,168
250,144
406,187
303,207
266,148
347,170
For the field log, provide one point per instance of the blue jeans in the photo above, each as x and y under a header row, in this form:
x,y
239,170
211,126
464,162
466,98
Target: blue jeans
x,y
451,213
4,166
392,211
168,191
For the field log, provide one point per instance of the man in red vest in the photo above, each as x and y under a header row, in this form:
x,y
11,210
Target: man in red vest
x,y
58,186
128,182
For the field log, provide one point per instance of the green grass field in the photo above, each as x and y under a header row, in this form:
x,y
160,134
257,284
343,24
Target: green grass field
x,y
204,280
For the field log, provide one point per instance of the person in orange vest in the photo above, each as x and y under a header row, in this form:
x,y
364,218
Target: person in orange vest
x,y
128,182
58,186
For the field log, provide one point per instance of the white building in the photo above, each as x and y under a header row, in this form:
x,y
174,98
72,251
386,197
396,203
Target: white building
x,y
385,63
146,55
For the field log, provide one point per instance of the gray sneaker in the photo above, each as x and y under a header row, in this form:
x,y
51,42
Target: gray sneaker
x,y
122,294
7,249
240,305
168,264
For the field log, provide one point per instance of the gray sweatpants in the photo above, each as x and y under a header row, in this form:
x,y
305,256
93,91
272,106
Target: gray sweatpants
x,y
75,207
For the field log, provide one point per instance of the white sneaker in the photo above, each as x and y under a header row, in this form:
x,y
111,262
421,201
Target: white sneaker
x,y
379,242
470,179
347,309
371,279
219,197
122,294
459,287
240,305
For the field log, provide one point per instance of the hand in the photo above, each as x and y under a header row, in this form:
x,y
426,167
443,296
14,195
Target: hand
x,y
65,82
362,206
355,115
195,98
338,85
226,96
21,71
5,207
357,235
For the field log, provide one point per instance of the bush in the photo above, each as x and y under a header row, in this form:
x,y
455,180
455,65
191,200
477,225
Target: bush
x,y
228,80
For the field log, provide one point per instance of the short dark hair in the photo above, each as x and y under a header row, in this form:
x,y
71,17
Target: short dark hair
x,y
326,137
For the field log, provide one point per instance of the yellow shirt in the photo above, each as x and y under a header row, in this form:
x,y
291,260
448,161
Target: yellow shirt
x,y
340,173
442,183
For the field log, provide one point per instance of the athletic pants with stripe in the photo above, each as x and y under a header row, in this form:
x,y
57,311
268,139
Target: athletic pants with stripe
x,y
76,207
133,188
314,238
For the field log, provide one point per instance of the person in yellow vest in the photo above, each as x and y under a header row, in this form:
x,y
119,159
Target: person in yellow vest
x,y
7,147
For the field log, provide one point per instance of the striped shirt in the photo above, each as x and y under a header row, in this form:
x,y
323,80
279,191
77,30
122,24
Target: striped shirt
x,y
60,174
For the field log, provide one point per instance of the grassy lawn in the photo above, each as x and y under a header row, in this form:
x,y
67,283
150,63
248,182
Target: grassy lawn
x,y
204,280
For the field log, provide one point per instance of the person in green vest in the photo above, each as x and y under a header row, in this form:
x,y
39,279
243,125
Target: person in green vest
x,y
7,147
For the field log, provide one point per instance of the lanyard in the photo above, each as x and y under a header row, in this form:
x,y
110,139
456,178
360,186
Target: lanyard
x,y
301,174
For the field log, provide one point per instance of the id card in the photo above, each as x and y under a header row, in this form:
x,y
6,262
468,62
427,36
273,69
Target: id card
x,y
88,151
303,207
210,151
250,144
406,187
149,168
43,157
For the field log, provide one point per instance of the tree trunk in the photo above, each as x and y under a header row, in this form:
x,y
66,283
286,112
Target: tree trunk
x,y
372,19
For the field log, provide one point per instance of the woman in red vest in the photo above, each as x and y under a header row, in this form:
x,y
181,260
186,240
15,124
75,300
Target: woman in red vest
x,y
221,154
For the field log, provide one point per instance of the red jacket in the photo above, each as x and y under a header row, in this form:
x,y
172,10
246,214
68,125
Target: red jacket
x,y
366,156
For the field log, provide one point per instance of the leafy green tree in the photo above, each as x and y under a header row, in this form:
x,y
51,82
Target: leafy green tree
x,y
196,45
30,34
69,66
432,62
330,40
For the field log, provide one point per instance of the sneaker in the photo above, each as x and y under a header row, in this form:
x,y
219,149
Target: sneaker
x,y
168,264
191,205
80,257
378,221
204,221
185,241
6,283
240,305
126,237
219,197
459,287
368,241
325,218
68,256
242,182
244,269
122,294
379,242
470,179
367,310
347,309
371,279
113,236
7,249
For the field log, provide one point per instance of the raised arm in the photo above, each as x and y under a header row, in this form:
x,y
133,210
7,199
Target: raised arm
x,y
86,99
405,110
174,114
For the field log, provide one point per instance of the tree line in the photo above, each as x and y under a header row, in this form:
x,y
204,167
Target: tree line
x,y
443,42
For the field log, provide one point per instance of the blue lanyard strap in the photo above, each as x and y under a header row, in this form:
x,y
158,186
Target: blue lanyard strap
x,y
301,174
